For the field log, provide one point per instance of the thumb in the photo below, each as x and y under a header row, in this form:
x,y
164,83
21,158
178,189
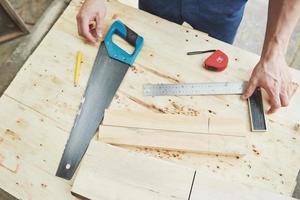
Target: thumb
x,y
249,90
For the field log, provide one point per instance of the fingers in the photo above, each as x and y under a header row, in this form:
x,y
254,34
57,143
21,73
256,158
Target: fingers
x,y
284,98
99,26
274,99
278,96
79,25
86,31
83,28
90,19
249,90
278,99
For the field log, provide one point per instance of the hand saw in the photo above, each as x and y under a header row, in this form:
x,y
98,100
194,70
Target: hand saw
x,y
109,69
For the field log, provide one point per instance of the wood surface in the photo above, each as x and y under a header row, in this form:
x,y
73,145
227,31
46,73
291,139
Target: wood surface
x,y
164,60
174,122
174,140
112,173
198,134
28,153
44,87
213,188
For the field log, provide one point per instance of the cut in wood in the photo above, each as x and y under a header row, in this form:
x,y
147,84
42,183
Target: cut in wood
x,y
212,188
200,124
172,140
111,173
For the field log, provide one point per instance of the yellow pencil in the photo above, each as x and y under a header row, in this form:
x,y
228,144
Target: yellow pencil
x,y
77,67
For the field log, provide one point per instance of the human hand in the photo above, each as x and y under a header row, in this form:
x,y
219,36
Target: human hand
x,y
92,11
273,75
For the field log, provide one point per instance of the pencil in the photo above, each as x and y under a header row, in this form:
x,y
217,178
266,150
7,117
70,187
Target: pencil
x,y
77,67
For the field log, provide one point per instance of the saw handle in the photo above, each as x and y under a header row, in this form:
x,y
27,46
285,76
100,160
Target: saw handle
x,y
114,51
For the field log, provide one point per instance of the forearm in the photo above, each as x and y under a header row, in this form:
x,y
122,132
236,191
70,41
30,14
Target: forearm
x,y
282,19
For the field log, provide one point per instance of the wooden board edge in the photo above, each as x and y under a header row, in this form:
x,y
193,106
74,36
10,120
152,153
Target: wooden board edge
x,y
196,124
225,145
101,152
11,36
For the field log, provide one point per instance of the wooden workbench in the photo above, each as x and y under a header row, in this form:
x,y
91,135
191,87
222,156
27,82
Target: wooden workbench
x,y
39,107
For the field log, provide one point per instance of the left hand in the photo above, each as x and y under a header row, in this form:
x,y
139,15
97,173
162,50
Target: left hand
x,y
91,13
272,74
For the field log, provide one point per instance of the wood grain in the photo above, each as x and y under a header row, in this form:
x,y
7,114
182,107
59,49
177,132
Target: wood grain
x,y
180,123
172,140
113,173
30,150
212,188
44,85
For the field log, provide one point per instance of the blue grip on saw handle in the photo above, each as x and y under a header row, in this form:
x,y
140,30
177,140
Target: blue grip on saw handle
x,y
114,51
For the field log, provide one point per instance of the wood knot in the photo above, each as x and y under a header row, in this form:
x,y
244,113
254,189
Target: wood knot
x,y
297,128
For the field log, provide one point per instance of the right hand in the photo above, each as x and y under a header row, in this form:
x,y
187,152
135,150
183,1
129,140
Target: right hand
x,y
92,11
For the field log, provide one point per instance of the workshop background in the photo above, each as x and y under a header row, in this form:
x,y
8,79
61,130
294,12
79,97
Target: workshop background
x,y
39,16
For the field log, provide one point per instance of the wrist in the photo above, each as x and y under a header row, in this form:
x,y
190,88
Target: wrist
x,y
273,48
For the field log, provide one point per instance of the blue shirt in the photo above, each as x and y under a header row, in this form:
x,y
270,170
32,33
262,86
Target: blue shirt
x,y
219,18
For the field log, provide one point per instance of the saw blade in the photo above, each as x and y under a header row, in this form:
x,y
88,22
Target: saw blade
x,y
106,77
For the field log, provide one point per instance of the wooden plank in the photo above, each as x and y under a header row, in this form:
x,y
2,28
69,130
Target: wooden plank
x,y
14,16
229,126
172,140
30,11
109,172
10,36
30,149
180,123
49,76
45,85
212,188
12,25
163,60
156,121
132,3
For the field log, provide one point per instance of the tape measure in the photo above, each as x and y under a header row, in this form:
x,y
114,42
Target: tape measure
x,y
217,61
194,89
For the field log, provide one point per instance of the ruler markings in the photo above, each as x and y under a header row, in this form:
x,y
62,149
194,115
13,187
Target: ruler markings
x,y
193,89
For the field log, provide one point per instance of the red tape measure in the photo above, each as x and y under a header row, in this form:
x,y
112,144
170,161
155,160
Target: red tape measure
x,y
217,61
